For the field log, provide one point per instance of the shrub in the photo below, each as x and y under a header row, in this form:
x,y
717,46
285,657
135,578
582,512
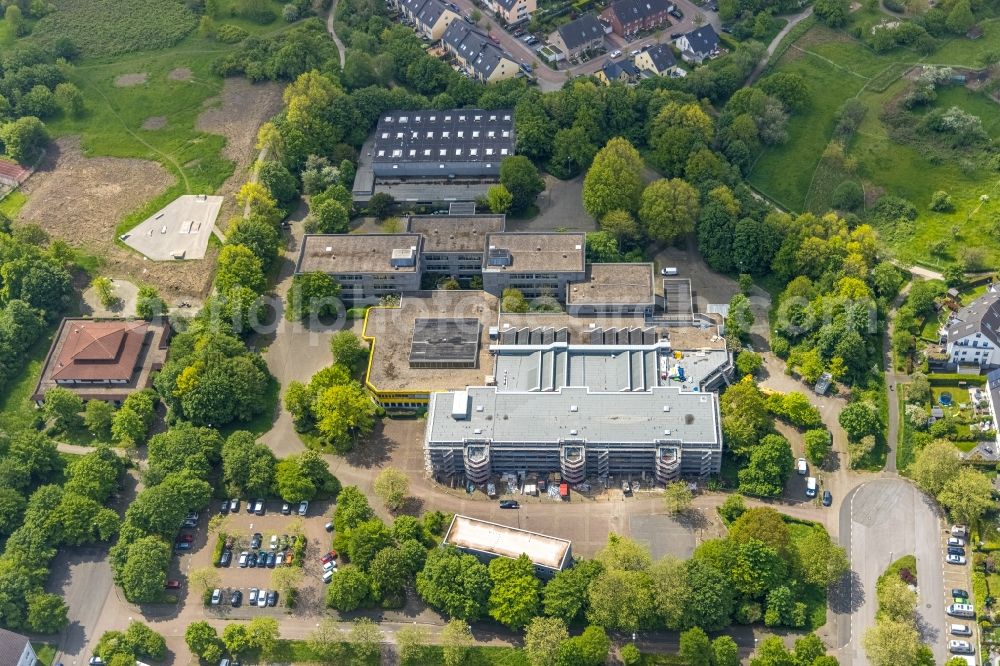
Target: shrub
x,y
941,202
230,34
848,196
894,6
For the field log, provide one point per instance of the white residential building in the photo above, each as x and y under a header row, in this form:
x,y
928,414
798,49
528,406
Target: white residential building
x,y
974,332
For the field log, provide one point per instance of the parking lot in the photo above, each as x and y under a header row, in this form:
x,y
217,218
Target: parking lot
x,y
240,528
956,577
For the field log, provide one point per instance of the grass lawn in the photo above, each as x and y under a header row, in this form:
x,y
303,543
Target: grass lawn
x,y
905,562
17,412
45,653
298,652
12,203
837,67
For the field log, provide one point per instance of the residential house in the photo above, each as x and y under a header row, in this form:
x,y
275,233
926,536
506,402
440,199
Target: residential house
x,y
657,60
477,55
513,11
622,71
699,44
974,332
430,17
628,17
584,34
16,650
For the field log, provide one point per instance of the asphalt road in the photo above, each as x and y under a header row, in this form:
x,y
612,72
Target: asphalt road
x,y
881,521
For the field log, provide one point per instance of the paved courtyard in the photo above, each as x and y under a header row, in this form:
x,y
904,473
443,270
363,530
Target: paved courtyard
x,y
180,230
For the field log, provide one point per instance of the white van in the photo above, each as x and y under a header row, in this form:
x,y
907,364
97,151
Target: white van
x,y
960,610
801,466
328,575
960,629
670,270
811,486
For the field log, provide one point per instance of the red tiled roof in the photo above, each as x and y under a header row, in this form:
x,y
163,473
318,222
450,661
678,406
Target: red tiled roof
x,y
13,171
99,350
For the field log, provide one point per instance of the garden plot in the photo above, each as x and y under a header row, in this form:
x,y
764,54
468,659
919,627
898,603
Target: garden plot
x,y
178,231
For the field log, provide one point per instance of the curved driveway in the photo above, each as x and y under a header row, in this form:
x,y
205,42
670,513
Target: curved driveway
x,y
881,521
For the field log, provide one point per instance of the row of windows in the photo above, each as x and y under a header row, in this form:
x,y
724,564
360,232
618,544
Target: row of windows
x,y
446,134
443,152
462,117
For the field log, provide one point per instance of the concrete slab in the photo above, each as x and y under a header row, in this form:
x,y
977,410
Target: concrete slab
x,y
178,231
662,535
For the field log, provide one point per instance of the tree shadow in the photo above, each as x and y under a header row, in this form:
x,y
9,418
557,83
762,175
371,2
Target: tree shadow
x,y
928,632
413,506
847,595
375,450
693,519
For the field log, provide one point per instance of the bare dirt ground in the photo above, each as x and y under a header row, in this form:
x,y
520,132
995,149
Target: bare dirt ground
x,y
128,80
80,200
155,123
237,114
180,74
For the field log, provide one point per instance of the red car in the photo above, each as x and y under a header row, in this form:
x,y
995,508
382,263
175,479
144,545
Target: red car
x,y
173,585
332,555
185,538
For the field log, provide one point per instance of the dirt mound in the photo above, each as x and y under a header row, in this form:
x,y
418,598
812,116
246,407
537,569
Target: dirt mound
x,y
237,114
80,200
129,80
180,74
155,123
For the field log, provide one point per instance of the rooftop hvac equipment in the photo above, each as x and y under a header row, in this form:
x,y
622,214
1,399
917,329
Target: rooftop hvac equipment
x,y
499,256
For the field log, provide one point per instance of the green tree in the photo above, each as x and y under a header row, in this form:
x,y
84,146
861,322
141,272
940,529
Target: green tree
x,y
831,12
822,561
47,613
695,648
257,234
725,652
498,199
621,599
748,362
237,639
389,573
366,638
411,644
768,469
745,419
678,131
620,225
520,178
12,505
343,413
960,18
630,655
732,508
456,639
247,465
348,589
327,642
935,464
97,417
144,641
896,601
515,596
542,639
888,643
967,495
23,138
588,649
238,266
668,209
203,641
817,445
614,181
677,498
63,407
624,553
565,596
392,487
328,217
349,350
512,300
740,318
380,205
860,419
148,304
457,584
765,525
279,181
312,295
367,539
145,571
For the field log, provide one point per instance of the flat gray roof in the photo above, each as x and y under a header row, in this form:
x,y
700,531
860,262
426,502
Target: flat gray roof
x,y
487,537
355,253
456,135
445,340
665,413
541,253
613,284
455,233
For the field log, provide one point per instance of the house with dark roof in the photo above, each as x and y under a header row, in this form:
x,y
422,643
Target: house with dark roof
x,y
584,34
103,360
628,17
513,11
430,17
699,44
657,60
479,57
973,333
16,650
623,71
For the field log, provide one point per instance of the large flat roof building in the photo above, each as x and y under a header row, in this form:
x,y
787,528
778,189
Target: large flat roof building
x,y
574,431
367,266
488,541
454,244
613,289
103,360
538,264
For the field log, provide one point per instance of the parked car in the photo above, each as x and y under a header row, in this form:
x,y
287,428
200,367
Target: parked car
x,y
634,52
185,538
328,527
955,559
289,556
956,541
827,498
216,597
96,661
234,506
249,506
236,599
252,597
274,541
614,54
329,565
252,560
468,19
261,598
226,559
190,522
332,555
961,647
959,531
258,507
626,487
959,593
255,540
955,550
801,466
509,504
173,585
285,509
676,13
272,559
328,576
182,546
224,509
281,559
272,598
494,38
244,558
675,35
960,629
303,508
